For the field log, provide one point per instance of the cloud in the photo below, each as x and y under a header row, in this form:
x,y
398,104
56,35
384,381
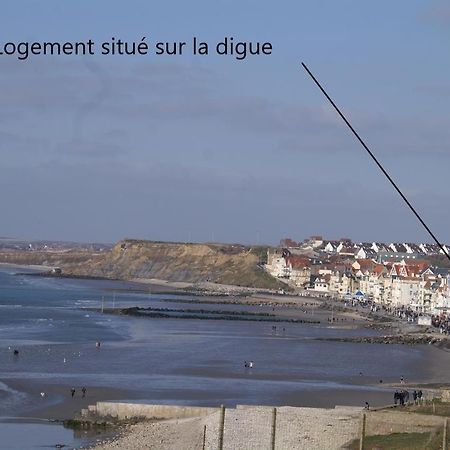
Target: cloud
x,y
172,144
87,101
166,201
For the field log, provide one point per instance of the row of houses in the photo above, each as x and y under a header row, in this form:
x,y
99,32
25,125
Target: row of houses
x,y
365,250
415,283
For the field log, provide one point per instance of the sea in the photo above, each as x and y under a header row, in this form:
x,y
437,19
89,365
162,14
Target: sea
x,y
55,323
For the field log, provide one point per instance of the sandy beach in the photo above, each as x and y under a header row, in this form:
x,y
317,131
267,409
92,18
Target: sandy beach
x,y
58,403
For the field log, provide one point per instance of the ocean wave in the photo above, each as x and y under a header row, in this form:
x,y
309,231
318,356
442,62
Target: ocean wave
x,y
5,388
10,398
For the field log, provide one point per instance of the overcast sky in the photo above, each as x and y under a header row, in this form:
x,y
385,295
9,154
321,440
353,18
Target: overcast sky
x,y
210,148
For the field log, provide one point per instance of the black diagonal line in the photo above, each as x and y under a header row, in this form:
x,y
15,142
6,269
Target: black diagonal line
x,y
377,162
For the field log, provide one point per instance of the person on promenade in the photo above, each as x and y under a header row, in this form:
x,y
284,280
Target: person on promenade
x,y
415,397
72,392
419,396
83,390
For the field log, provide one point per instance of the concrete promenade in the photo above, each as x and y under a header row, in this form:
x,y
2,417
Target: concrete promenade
x,y
245,427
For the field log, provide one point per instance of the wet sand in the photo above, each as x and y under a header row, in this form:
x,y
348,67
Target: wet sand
x,y
58,403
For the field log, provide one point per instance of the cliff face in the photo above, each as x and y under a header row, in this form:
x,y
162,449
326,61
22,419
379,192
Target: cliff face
x,y
129,259
226,264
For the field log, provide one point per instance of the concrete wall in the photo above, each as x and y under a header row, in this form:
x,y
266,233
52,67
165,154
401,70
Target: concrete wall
x,y
123,411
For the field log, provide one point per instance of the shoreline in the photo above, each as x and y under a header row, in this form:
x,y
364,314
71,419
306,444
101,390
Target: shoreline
x,y
165,287
25,266
58,405
197,288
64,407
258,297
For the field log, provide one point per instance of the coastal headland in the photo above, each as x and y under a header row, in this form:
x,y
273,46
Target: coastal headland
x,y
184,264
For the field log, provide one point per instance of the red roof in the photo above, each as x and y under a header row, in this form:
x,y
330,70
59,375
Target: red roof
x,y
298,262
410,269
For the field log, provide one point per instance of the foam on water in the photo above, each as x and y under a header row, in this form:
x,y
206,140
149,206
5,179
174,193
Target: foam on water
x,y
10,399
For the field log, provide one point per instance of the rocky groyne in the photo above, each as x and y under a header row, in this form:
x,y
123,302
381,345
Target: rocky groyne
x,y
405,339
204,314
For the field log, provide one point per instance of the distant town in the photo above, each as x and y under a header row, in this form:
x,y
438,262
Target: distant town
x,y
409,275
398,275
50,246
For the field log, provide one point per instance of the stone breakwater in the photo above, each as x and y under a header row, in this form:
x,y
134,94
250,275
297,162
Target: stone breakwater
x,y
171,313
408,339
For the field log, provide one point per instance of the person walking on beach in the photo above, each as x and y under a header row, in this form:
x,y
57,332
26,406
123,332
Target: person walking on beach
x,y
72,392
406,394
83,390
415,397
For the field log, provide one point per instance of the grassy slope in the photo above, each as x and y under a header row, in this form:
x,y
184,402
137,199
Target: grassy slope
x,y
402,441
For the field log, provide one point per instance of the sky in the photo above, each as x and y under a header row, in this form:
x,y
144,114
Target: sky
x,y
209,148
